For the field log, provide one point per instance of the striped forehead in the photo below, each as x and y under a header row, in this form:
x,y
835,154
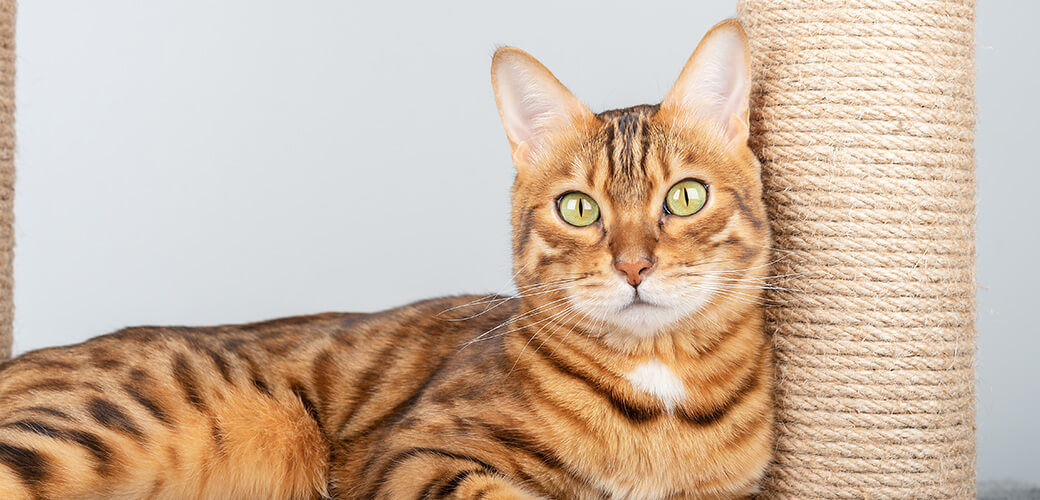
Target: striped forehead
x,y
625,172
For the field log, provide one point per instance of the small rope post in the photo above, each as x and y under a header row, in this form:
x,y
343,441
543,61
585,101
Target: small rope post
x,y
7,23
863,114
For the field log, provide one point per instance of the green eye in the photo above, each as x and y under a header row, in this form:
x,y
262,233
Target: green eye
x,y
578,209
686,198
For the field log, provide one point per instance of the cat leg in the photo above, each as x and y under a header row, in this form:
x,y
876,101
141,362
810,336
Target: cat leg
x,y
424,473
168,427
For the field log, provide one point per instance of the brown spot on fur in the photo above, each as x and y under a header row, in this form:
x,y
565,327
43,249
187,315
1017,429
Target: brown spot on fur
x,y
323,375
50,384
141,395
523,232
739,198
217,435
45,410
223,367
412,453
113,417
30,466
453,483
53,364
173,457
157,487
516,440
631,410
185,376
709,416
308,404
392,416
91,442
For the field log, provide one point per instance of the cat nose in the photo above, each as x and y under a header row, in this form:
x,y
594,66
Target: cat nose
x,y
634,269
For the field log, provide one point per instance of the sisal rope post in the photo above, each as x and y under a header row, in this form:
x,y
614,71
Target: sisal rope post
x,y
7,22
863,115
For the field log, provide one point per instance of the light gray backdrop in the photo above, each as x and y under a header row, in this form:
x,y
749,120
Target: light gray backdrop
x,y
201,162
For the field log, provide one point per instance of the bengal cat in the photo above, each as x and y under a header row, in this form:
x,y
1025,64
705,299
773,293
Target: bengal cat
x,y
632,362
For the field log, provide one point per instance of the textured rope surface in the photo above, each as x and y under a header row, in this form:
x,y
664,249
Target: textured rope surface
x,y
863,115
7,18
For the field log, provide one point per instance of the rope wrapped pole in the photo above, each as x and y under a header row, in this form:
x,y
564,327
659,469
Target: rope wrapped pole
x,y
863,115
7,21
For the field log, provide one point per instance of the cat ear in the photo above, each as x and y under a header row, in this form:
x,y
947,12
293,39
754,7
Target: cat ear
x,y
533,104
715,84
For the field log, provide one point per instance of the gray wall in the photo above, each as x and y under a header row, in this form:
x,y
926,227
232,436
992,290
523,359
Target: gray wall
x,y
202,162
1008,238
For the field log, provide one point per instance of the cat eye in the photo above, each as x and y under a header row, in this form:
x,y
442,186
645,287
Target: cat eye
x,y
578,209
686,198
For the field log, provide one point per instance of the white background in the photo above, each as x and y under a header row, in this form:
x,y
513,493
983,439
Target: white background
x,y
200,162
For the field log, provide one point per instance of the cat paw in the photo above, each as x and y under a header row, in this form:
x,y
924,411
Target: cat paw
x,y
503,492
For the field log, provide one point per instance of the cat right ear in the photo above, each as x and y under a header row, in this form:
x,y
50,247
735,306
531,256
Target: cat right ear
x,y
532,103
715,83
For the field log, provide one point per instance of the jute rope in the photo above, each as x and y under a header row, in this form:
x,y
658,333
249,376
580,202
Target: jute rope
x,y
7,19
863,115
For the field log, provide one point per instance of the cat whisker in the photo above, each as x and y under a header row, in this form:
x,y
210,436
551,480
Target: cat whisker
x,y
742,297
512,279
485,335
765,283
547,305
600,319
760,266
754,285
577,311
741,272
518,356
564,339
503,300
704,263
497,300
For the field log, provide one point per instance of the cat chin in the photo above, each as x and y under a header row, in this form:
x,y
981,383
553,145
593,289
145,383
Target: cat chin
x,y
649,321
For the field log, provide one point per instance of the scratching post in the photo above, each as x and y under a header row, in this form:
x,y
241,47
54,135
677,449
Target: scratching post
x,y
7,18
863,115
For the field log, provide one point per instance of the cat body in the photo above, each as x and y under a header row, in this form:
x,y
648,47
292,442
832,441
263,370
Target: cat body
x,y
632,362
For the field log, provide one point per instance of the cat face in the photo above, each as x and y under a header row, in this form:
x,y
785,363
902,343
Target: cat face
x,y
644,219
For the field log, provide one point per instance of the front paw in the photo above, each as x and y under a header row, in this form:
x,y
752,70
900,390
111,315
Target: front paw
x,y
502,492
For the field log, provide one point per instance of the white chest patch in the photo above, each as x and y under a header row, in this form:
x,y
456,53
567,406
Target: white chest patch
x,y
654,377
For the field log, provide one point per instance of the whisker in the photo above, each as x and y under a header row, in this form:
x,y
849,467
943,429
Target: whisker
x,y
501,301
497,300
518,356
750,299
563,323
548,305
522,289
564,339
512,279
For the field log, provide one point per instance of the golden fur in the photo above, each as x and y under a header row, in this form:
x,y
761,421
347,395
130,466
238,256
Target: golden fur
x,y
540,395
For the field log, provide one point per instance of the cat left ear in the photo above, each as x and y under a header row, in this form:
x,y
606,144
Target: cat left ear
x,y
533,104
715,84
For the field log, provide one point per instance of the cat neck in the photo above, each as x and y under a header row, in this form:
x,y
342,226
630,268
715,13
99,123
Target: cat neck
x,y
678,373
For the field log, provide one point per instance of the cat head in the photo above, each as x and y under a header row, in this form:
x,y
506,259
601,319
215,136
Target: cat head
x,y
644,219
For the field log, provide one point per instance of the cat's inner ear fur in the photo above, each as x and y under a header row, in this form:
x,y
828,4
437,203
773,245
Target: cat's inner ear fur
x,y
715,84
533,104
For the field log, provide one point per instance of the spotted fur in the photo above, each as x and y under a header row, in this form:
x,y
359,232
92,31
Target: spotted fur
x,y
572,388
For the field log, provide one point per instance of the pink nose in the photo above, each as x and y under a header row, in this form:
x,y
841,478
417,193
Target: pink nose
x,y
634,269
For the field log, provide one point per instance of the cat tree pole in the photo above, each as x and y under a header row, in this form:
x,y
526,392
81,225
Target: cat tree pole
x,y
7,18
863,115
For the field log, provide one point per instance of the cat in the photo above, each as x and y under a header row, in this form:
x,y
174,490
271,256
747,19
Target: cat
x,y
631,363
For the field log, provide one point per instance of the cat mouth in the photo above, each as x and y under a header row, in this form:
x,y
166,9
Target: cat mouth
x,y
638,302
